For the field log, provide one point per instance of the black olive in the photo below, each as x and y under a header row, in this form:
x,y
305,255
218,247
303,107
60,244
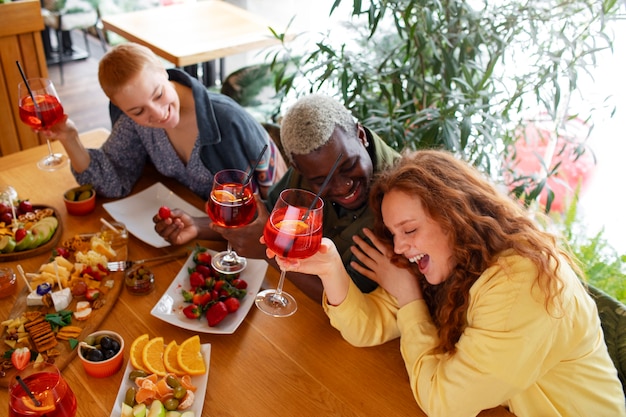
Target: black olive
x,y
108,353
94,355
115,345
105,342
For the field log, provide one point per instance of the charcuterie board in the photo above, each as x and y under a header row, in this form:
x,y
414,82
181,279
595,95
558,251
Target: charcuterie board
x,y
63,352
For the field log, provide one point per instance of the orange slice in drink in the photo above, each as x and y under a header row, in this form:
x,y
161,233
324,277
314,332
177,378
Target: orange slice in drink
x,y
136,352
46,402
170,359
152,356
224,196
292,227
190,357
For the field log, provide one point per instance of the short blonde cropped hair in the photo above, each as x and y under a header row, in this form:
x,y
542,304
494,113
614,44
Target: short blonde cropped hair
x,y
123,62
310,122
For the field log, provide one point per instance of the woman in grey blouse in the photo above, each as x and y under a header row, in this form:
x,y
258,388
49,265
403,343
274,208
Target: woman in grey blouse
x,y
169,119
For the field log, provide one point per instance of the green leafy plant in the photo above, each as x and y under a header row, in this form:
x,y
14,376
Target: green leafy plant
x,y
453,74
603,266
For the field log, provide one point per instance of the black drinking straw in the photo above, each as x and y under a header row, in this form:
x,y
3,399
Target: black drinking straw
x,y
32,96
324,184
256,164
28,391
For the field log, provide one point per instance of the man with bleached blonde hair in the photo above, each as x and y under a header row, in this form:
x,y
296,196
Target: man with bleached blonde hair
x,y
314,132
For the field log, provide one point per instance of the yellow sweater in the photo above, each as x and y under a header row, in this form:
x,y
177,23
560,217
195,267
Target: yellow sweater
x,y
512,353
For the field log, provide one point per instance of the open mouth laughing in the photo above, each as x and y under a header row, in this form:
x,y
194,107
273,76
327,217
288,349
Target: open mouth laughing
x,y
352,198
421,260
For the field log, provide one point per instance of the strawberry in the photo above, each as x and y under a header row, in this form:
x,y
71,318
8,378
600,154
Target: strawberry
x,y
192,311
204,258
196,279
61,251
20,234
201,298
232,304
216,313
240,284
20,358
165,212
206,271
92,294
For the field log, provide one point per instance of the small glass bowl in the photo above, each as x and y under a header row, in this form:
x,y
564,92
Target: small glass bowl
x,y
7,282
118,241
139,280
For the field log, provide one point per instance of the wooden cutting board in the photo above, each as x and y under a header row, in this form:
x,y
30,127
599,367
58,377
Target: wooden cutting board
x,y
89,326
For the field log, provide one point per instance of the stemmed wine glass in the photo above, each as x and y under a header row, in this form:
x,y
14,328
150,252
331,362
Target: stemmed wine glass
x,y
231,204
40,108
293,230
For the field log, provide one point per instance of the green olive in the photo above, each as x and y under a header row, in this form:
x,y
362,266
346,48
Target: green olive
x,y
179,392
171,404
130,396
172,381
137,374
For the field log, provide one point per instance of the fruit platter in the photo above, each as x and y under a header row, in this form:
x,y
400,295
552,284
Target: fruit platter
x,y
63,301
27,230
164,377
205,301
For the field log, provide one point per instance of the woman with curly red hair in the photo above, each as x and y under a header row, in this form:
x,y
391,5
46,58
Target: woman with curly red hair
x,y
489,309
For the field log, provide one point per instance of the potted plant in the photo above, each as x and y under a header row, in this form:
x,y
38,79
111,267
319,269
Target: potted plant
x,y
454,74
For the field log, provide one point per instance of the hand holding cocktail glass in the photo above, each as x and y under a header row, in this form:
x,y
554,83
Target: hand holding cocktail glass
x,y
293,231
40,108
231,204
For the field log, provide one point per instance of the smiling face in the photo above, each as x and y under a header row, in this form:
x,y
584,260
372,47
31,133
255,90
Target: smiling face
x,y
150,99
351,180
417,236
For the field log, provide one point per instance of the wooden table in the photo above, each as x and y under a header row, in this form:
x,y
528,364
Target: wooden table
x,y
194,32
295,366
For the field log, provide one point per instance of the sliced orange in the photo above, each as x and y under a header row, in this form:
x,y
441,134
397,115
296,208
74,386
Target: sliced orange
x,y
148,381
152,356
170,359
223,196
162,388
185,381
292,227
145,395
190,357
46,402
136,351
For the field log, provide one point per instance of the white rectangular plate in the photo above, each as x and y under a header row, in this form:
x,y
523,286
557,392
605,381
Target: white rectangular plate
x,y
170,306
136,212
199,381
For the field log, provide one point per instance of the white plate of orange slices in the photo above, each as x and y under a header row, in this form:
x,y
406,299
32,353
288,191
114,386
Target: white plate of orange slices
x,y
188,361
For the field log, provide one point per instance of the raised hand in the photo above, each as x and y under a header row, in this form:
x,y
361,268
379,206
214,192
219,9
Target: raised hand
x,y
179,228
399,282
